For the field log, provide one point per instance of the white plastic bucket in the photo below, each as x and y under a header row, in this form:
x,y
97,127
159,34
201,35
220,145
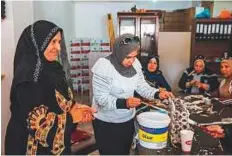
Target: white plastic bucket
x,y
153,129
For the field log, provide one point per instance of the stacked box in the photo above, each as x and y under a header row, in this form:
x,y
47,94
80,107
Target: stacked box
x,y
105,46
79,59
79,63
99,45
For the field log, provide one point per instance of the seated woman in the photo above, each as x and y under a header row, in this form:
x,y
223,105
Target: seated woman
x,y
225,93
225,89
153,75
198,79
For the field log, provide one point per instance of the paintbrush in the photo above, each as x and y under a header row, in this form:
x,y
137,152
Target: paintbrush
x,y
155,107
191,73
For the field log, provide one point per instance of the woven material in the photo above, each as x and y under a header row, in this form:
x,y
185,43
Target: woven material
x,y
179,121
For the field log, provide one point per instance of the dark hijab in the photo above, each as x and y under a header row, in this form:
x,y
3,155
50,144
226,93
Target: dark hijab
x,y
30,65
152,75
120,50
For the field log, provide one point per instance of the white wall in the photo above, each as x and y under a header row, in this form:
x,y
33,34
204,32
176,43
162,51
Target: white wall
x,y
7,55
58,12
22,15
91,17
220,5
174,51
173,55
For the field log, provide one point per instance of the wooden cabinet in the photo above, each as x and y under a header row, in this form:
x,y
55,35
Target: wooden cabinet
x,y
211,38
143,25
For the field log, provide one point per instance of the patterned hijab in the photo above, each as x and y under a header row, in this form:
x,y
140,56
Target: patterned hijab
x,y
120,51
30,63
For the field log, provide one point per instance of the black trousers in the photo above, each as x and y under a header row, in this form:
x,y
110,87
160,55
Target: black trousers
x,y
113,138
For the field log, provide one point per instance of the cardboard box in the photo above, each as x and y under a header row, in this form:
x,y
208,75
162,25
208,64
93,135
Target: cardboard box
x,y
75,48
104,48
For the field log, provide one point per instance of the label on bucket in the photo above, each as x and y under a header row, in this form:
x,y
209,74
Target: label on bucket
x,y
153,135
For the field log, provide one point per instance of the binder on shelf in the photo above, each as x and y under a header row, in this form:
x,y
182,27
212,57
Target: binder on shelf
x,y
217,31
229,31
213,32
221,31
197,31
209,32
225,31
205,31
201,31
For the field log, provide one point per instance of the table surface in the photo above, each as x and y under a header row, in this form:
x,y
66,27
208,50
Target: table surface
x,y
203,143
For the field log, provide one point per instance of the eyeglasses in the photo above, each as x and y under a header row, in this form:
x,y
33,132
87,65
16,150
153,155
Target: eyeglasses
x,y
129,40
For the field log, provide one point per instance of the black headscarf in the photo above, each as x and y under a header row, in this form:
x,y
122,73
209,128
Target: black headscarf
x,y
29,62
147,72
120,51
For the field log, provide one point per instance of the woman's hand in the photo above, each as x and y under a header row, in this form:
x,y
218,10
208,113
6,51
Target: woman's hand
x,y
82,113
203,86
165,95
215,131
132,102
191,83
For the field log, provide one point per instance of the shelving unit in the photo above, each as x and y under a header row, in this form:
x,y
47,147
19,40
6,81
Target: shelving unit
x,y
145,26
211,38
79,61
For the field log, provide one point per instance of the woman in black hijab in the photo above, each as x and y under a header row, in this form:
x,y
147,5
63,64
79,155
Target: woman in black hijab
x,y
153,75
43,111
